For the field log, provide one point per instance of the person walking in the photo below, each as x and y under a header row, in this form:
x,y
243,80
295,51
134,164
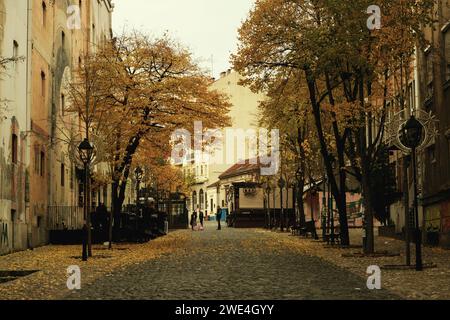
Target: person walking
x,y
194,220
219,217
202,218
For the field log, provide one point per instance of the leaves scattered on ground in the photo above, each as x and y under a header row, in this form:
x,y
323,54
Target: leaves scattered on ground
x,y
431,283
53,261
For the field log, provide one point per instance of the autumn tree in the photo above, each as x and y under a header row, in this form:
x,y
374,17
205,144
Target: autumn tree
x,y
154,157
86,115
286,109
346,67
154,87
284,35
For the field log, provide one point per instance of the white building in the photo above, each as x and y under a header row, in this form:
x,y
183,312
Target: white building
x,y
243,113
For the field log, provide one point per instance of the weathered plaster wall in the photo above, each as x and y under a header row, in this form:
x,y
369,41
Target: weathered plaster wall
x,y
13,175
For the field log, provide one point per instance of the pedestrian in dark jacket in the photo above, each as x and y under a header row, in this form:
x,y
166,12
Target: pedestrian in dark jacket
x,y
219,217
193,220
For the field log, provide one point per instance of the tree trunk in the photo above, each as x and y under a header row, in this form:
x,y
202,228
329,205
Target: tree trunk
x,y
341,200
339,193
369,247
300,202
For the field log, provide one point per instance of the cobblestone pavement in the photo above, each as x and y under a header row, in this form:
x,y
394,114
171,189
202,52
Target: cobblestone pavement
x,y
231,264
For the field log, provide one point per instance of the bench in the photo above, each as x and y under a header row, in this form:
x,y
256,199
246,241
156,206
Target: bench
x,y
308,228
295,229
335,238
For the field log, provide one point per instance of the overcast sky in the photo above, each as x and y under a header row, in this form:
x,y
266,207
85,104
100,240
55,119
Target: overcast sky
x,y
207,27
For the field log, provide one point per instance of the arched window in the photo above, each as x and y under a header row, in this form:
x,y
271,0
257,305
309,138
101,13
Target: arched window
x,y
202,199
44,14
194,200
43,84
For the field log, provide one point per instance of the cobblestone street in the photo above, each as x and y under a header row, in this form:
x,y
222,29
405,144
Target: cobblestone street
x,y
231,264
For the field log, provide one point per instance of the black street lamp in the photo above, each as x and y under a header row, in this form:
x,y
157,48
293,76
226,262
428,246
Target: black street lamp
x,y
412,138
281,185
266,187
86,151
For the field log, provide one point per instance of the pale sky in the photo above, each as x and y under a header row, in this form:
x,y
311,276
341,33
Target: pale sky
x,y
207,27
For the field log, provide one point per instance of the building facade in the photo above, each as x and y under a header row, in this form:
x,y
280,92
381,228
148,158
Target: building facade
x,y
14,126
434,80
38,174
428,90
204,174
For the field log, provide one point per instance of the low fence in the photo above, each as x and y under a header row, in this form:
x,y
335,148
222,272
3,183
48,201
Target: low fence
x,y
65,218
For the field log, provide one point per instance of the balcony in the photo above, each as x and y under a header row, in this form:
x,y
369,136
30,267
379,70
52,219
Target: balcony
x,y
200,179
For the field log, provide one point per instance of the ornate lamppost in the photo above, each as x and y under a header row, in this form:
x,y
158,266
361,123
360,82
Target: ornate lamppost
x,y
412,137
86,152
412,134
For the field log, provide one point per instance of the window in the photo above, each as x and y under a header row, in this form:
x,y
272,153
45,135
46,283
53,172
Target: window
x,y
43,89
42,164
412,95
93,34
37,159
44,14
15,52
63,174
63,104
14,149
63,39
202,199
194,200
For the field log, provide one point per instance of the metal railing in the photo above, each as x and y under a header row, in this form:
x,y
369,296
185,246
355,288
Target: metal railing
x,y
65,218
